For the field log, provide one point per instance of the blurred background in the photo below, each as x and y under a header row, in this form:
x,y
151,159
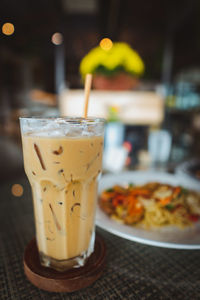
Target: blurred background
x,y
153,114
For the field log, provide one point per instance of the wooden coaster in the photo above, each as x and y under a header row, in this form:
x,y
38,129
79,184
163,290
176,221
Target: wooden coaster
x,y
69,281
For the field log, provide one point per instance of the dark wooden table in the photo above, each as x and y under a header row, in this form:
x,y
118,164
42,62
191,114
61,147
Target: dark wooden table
x,y
133,271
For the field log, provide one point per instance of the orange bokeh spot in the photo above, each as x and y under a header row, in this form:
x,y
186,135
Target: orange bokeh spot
x,y
8,28
106,44
17,190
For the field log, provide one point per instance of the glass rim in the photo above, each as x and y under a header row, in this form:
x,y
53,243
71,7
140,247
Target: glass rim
x,y
70,120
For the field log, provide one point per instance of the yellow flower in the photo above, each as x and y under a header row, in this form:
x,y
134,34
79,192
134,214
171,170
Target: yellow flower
x,y
120,55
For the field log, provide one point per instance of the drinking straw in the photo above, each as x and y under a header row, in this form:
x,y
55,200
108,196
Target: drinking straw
x,y
88,83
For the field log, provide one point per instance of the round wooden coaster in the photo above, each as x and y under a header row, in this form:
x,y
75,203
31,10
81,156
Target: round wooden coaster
x,y
70,280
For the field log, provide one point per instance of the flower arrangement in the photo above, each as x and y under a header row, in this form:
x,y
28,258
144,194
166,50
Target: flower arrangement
x,y
109,59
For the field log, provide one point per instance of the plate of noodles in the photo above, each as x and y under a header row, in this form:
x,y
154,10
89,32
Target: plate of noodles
x,y
150,207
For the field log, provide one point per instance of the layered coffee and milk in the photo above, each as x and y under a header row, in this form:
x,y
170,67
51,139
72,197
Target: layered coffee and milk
x,y
63,171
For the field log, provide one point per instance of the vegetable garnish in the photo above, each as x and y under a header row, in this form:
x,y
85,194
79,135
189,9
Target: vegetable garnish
x,y
151,205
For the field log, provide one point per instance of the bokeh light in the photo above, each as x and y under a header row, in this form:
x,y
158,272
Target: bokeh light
x,y
17,190
57,38
127,146
106,44
8,28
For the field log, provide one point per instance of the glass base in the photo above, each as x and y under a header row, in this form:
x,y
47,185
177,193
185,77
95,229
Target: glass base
x,y
66,264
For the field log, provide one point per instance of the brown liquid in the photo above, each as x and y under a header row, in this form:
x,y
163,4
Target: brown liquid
x,y
63,173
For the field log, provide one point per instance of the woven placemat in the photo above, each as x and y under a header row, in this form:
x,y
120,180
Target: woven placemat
x,y
133,271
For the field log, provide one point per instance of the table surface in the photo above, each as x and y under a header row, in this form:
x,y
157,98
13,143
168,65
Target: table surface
x,y
133,271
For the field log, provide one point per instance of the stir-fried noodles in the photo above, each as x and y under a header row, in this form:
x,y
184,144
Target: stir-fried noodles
x,y
151,205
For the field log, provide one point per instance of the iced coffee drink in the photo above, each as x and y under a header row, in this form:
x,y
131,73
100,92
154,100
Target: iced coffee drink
x,y
63,160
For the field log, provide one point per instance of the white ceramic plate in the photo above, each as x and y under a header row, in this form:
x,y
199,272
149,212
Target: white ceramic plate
x,y
167,237
185,169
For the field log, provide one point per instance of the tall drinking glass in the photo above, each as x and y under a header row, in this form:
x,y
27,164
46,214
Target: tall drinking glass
x,y
63,161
